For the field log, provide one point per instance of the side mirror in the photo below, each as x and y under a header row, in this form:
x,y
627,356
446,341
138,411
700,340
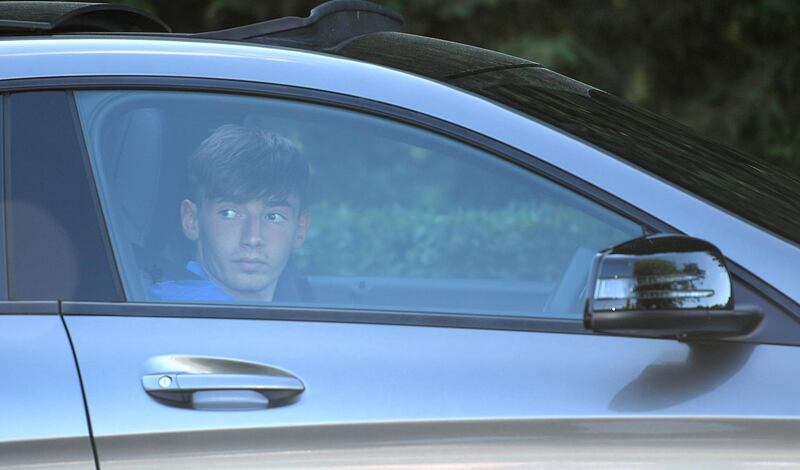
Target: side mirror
x,y
665,286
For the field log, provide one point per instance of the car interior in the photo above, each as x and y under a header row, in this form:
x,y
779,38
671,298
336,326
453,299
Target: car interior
x,y
139,143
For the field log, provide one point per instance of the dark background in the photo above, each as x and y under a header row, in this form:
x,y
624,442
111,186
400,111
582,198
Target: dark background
x,y
727,68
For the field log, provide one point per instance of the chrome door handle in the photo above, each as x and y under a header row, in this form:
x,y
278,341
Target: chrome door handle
x,y
222,390
273,387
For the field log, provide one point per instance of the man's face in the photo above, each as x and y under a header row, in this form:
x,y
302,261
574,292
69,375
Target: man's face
x,y
244,246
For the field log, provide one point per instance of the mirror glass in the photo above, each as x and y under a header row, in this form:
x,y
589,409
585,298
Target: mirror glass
x,y
661,272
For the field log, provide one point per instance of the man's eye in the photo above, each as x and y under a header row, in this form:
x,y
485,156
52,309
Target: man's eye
x,y
228,213
276,217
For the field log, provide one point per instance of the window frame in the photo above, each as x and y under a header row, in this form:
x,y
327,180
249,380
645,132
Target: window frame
x,y
406,116
3,162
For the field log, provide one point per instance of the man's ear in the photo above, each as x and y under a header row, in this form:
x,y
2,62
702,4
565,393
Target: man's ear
x,y
302,229
189,220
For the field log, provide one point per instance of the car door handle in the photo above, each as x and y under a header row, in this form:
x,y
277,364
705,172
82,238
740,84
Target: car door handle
x,y
223,390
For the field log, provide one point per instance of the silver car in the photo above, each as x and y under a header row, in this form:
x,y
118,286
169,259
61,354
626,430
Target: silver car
x,y
323,243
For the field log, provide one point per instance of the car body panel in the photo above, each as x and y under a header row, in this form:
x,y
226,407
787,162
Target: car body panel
x,y
42,415
478,444
422,396
382,383
775,261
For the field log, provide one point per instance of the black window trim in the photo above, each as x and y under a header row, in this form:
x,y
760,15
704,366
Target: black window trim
x,y
4,150
317,314
407,116
323,314
101,217
30,307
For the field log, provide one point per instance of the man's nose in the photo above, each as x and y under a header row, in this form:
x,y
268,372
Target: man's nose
x,y
251,232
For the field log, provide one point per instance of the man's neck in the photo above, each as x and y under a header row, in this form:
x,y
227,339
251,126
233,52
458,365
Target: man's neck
x,y
264,295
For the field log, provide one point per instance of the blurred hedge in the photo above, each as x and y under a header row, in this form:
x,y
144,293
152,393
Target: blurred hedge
x,y
534,241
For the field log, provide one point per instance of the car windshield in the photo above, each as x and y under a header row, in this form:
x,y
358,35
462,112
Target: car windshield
x,y
751,188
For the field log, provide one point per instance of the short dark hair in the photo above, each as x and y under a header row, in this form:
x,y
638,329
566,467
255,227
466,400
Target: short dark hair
x,y
244,163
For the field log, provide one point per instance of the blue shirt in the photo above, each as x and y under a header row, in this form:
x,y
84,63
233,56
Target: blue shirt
x,y
202,289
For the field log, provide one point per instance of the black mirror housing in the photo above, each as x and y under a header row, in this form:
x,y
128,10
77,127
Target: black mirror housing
x,y
665,286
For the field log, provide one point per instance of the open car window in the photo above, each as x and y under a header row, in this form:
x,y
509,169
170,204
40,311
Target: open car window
x,y
207,200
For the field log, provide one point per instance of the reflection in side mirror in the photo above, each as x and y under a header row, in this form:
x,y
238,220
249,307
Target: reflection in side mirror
x,y
665,286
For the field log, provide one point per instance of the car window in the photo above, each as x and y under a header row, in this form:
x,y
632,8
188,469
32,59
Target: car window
x,y
55,244
219,198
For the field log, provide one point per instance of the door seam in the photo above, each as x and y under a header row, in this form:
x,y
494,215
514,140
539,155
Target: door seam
x,y
83,389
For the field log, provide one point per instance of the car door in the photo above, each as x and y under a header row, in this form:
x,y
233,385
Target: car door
x,y
445,325
43,422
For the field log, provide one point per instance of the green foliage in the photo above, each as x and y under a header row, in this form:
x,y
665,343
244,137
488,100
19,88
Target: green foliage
x,y
444,9
532,241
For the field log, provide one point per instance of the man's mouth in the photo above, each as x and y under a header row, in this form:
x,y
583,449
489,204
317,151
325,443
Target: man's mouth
x,y
251,264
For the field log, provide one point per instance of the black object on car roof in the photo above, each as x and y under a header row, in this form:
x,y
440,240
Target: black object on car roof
x,y
69,17
327,26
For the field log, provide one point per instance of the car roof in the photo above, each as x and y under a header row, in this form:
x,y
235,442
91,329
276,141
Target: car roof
x,y
38,17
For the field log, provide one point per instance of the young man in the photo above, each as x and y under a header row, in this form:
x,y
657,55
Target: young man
x,y
245,214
